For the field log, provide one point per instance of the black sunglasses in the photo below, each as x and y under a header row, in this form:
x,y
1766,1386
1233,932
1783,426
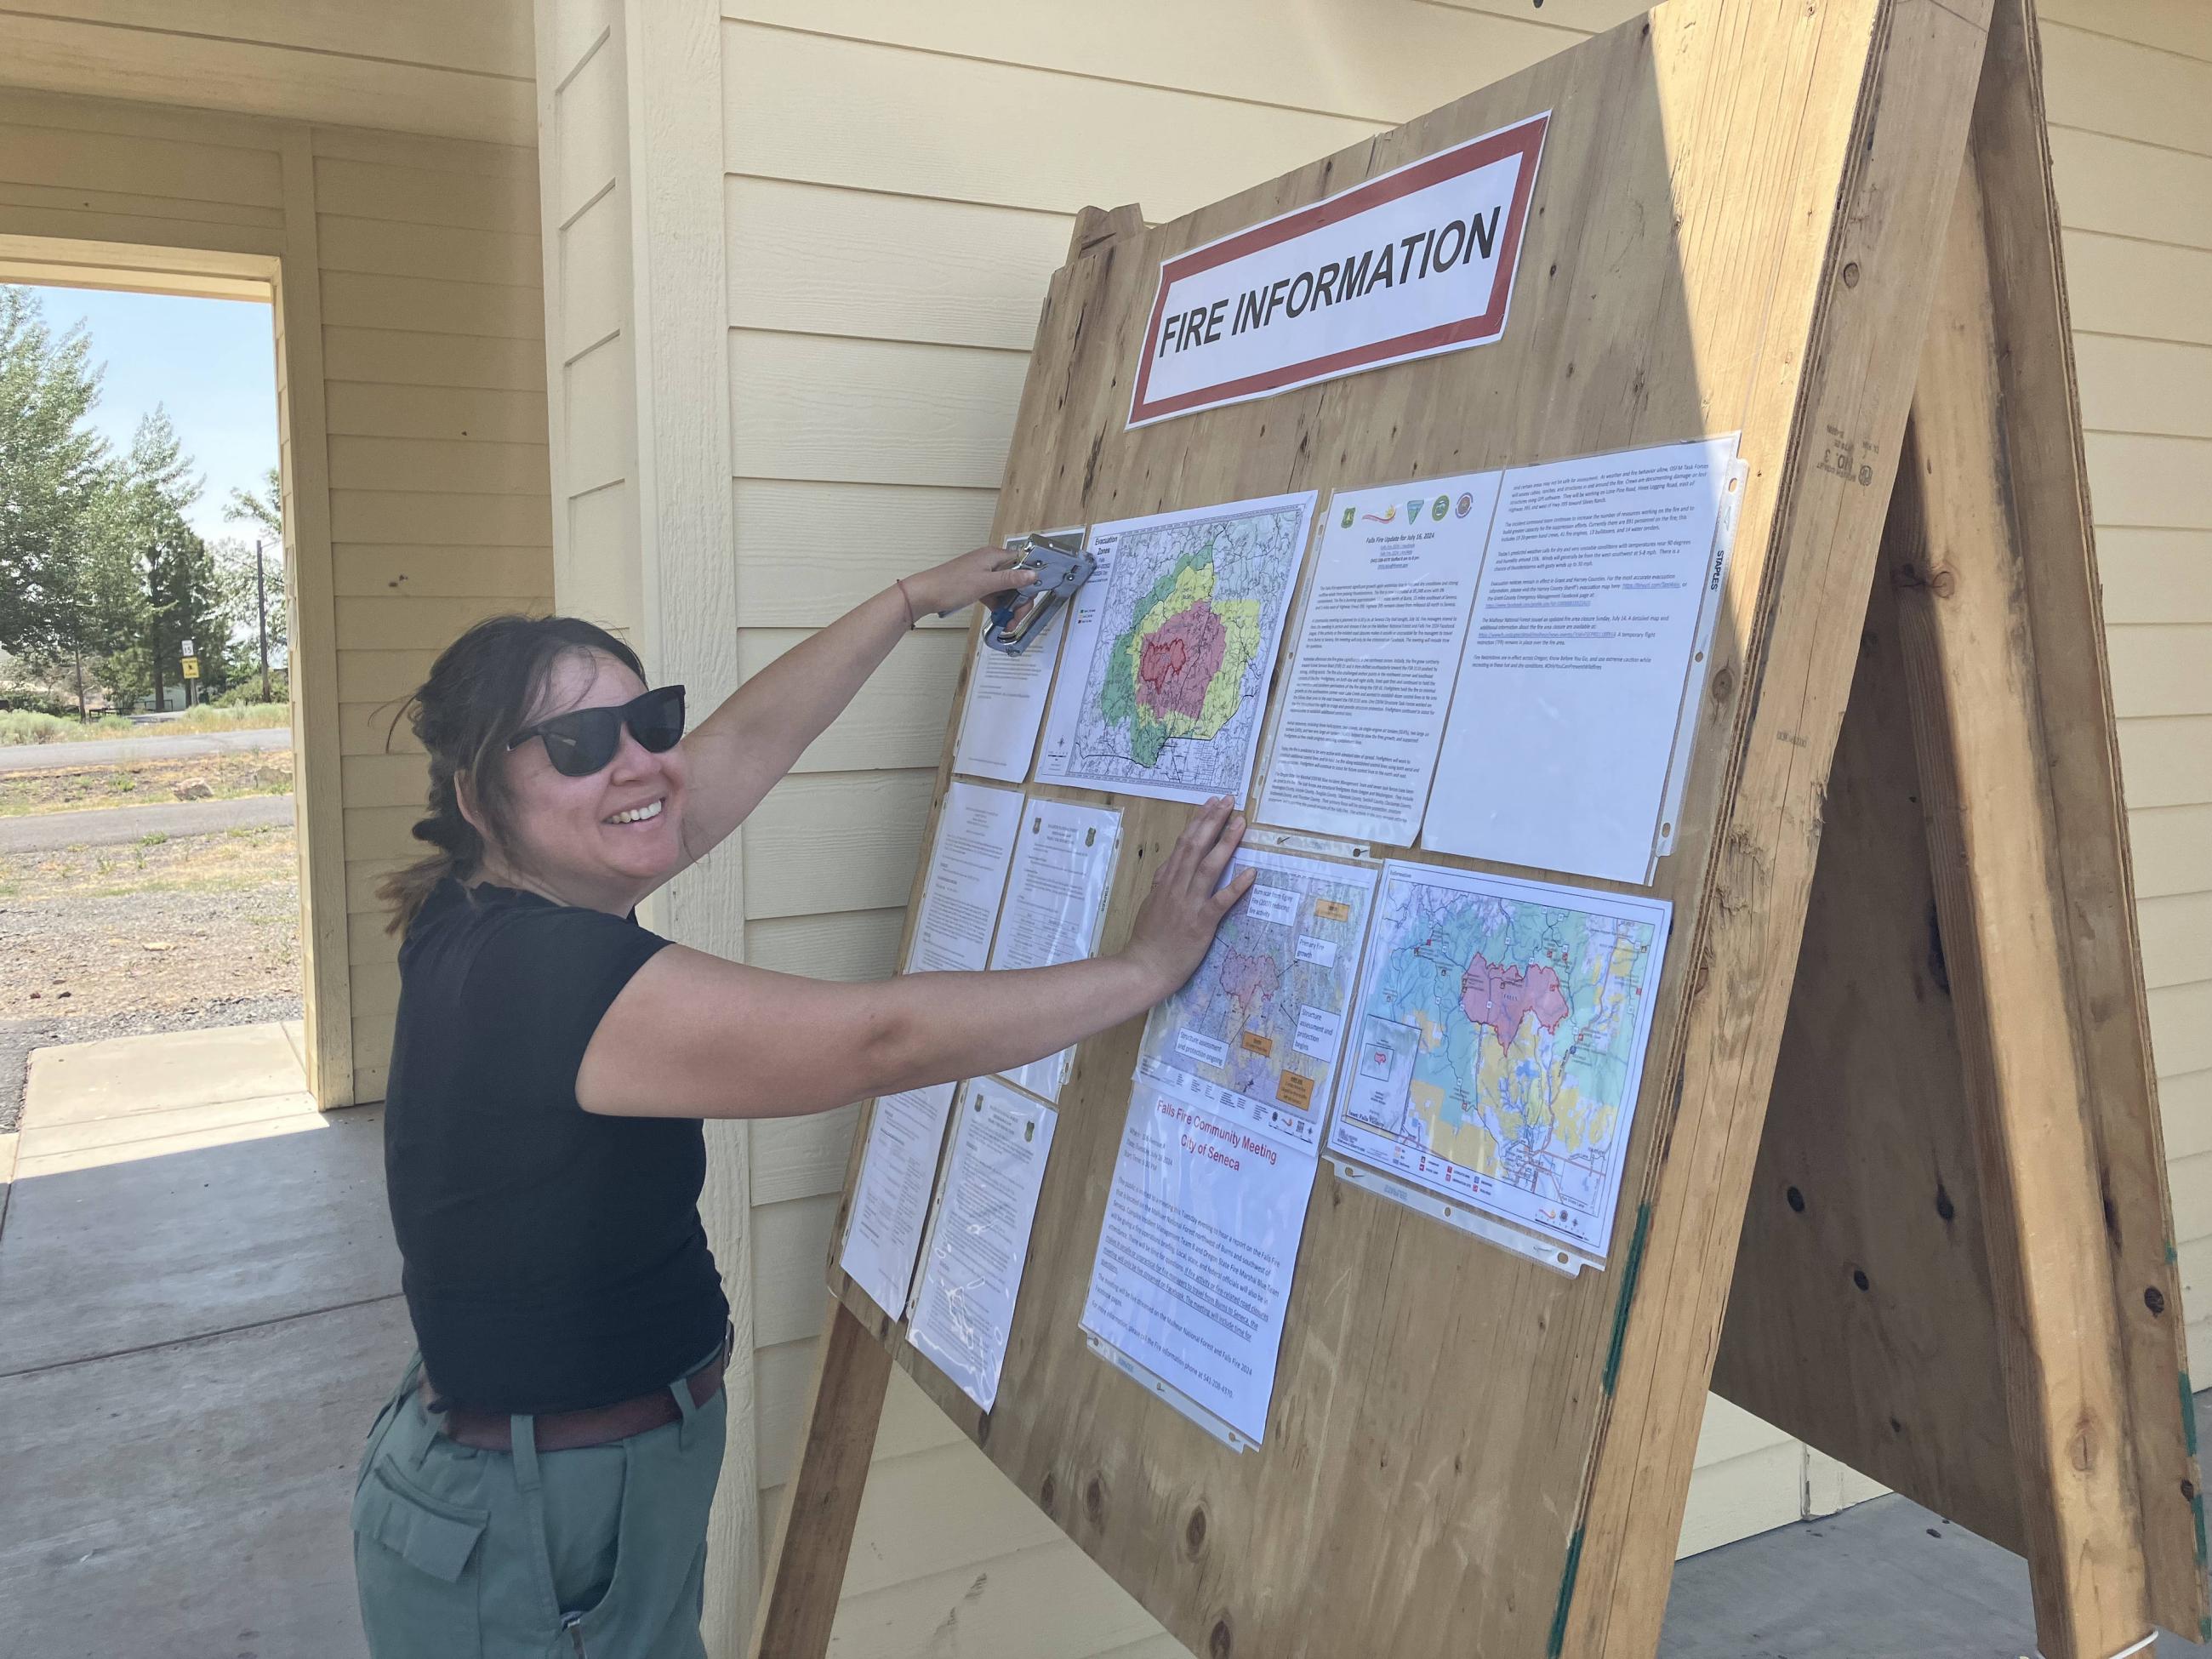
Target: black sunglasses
x,y
583,740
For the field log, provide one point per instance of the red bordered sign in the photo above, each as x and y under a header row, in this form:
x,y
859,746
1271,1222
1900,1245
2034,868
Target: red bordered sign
x,y
1414,262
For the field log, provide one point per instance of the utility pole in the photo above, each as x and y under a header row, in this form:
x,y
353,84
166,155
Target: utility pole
x,y
261,605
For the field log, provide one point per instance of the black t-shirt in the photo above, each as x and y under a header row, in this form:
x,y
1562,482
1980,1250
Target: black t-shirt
x,y
554,1257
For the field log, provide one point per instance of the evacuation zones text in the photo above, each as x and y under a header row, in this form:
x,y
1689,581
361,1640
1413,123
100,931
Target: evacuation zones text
x,y
1411,259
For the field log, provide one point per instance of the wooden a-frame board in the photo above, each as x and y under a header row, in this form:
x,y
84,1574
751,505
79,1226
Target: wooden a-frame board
x,y
1897,1122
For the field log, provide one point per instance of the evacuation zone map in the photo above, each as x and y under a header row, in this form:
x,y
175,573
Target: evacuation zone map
x,y
1163,682
1497,1042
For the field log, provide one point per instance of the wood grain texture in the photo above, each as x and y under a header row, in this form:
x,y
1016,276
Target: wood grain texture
x,y
1394,1505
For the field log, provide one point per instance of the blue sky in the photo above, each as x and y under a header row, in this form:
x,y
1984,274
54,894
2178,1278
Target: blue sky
x,y
212,362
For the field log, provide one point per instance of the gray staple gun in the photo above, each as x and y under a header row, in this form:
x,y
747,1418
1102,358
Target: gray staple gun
x,y
1019,614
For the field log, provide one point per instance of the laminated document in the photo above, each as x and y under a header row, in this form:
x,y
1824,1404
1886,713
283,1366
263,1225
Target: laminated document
x,y
1171,646
891,1201
971,1275
1195,1254
1056,905
1006,700
1579,654
966,878
1378,646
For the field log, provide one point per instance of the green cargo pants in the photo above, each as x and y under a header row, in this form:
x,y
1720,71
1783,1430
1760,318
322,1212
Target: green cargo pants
x,y
598,1553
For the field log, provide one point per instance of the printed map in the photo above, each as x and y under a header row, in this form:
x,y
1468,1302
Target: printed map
x,y
1498,1044
1259,1027
1173,687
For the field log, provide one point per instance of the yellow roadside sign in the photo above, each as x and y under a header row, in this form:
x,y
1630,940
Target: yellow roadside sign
x,y
191,668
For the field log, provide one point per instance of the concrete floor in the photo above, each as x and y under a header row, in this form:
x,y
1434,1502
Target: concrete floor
x,y
199,1294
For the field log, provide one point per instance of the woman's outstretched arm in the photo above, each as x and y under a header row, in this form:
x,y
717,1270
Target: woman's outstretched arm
x,y
693,1036
742,751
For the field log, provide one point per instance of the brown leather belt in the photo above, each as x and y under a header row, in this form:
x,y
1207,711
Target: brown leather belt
x,y
600,1426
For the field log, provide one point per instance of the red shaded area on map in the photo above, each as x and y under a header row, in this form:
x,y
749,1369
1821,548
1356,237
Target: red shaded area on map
x,y
1499,996
1246,978
1179,661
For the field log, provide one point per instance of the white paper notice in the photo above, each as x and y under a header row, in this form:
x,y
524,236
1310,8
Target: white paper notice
x,y
1556,752
1006,702
966,876
1063,869
890,1201
1378,646
1171,648
1562,724
1195,1256
963,1310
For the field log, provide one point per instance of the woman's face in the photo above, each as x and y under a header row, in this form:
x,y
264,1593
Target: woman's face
x,y
605,839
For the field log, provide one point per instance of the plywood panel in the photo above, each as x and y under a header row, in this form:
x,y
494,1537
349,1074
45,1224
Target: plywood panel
x,y
805,406
807,259
927,125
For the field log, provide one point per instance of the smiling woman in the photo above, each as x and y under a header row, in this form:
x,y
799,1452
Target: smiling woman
x,y
546,1462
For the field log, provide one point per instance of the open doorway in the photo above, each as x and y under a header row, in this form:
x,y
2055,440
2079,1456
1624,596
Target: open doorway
x,y
150,867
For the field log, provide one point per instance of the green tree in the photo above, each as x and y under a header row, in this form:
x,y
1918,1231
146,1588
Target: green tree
x,y
52,473
183,597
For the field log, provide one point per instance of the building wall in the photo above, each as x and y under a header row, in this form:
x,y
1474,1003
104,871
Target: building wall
x,y
415,450
459,68
898,183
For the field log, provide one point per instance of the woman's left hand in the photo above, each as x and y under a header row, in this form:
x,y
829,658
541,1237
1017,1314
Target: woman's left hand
x,y
958,583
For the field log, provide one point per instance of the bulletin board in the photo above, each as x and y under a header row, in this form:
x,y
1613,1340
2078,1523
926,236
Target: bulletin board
x,y
1827,229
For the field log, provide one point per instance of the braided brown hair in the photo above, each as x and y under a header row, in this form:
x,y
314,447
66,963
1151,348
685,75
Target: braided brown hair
x,y
480,693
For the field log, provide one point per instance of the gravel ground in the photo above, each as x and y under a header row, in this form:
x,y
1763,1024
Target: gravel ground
x,y
117,941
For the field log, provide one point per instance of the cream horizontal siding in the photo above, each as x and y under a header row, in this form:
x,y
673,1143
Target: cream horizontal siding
x,y
432,401
424,66
2130,87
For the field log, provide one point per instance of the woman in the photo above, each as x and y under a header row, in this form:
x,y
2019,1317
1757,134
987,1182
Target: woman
x,y
539,1480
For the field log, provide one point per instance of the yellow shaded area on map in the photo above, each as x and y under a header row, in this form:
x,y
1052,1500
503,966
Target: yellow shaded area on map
x,y
1567,1122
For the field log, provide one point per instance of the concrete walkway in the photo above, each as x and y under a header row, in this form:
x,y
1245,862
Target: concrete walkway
x,y
110,751
199,1295
198,1298
115,826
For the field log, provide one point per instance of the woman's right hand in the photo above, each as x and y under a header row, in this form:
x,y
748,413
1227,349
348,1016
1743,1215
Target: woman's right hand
x,y
1187,902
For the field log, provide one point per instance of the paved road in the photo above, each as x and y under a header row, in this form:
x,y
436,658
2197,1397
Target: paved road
x,y
37,757
112,825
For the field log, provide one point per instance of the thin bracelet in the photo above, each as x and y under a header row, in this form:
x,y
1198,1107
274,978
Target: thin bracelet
x,y
912,620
